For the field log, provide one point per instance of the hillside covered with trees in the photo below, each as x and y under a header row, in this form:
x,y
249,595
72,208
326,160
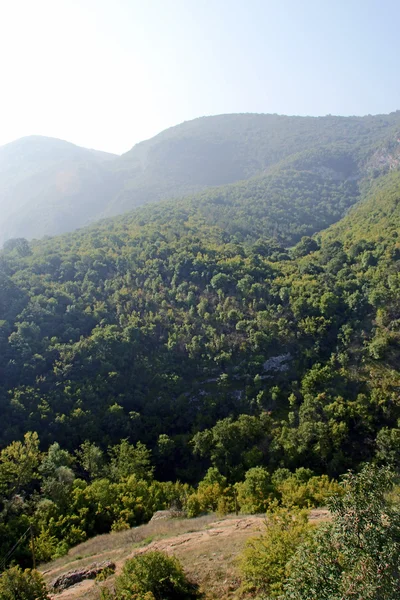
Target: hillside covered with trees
x,y
49,186
236,349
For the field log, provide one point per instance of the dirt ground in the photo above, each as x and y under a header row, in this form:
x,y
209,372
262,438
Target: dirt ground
x,y
207,547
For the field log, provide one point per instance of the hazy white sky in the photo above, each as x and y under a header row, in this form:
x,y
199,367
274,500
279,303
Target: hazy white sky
x,y
108,73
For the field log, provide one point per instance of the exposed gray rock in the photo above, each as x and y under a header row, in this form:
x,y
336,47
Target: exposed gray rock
x,y
387,157
168,514
277,363
73,577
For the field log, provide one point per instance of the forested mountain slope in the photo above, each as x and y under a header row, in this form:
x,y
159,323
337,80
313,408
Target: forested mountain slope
x,y
167,348
161,323
227,148
48,186
285,204
376,219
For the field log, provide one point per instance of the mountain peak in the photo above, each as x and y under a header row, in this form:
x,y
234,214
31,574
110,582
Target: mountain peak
x,y
49,186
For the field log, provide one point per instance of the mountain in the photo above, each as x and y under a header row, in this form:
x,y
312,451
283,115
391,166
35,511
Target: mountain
x,y
376,219
48,186
205,341
224,149
168,315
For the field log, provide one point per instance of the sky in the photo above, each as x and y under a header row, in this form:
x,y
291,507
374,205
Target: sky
x,y
106,74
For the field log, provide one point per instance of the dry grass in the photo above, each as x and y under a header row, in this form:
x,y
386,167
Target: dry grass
x,y
117,544
207,547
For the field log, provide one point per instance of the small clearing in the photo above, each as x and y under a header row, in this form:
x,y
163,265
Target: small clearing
x,y
206,546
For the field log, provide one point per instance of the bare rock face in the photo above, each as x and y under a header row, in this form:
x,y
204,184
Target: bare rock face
x,y
168,514
277,363
73,577
386,158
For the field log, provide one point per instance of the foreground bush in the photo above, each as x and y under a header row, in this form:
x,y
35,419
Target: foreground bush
x,y
264,560
16,584
357,555
154,575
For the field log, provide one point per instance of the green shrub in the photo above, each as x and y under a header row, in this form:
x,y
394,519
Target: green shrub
x,y
193,506
295,491
45,546
357,555
154,575
105,573
16,584
263,563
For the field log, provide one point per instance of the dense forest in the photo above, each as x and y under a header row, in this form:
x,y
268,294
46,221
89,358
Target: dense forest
x,y
226,351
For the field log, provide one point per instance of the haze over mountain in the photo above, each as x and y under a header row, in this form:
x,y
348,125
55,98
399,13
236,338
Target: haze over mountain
x,y
48,186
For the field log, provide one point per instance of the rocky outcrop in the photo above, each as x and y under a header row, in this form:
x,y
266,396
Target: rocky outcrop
x,y
73,577
386,158
277,363
168,514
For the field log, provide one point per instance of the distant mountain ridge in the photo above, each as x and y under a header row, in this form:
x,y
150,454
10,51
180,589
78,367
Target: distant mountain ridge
x,y
48,186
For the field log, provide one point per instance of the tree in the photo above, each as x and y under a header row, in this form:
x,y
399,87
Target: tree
x,y
58,475
232,445
19,464
256,492
129,460
388,446
20,246
55,458
305,246
91,459
357,555
16,584
212,494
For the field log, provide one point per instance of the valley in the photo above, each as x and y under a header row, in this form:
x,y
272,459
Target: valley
x,y
230,345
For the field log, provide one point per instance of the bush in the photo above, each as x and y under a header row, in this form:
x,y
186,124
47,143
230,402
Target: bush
x,y
263,563
16,584
46,546
306,493
154,575
357,556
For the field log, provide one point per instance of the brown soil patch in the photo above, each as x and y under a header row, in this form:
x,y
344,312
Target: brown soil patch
x,y
207,548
